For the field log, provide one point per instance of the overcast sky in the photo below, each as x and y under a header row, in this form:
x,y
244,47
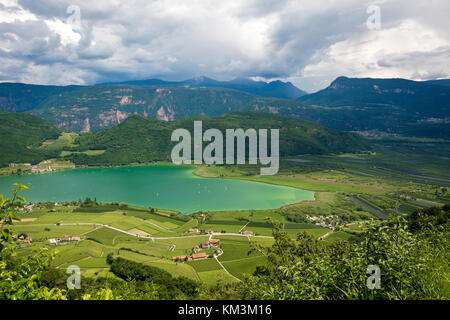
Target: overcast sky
x,y
309,43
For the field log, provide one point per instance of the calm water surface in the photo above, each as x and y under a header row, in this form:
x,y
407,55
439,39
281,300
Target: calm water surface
x,y
159,186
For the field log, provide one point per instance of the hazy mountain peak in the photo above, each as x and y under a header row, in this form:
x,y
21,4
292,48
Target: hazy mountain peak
x,y
201,80
274,89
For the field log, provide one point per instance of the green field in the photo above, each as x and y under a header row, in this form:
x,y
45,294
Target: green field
x,y
239,268
99,240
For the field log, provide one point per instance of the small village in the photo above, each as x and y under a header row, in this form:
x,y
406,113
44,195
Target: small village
x,y
23,238
64,239
196,230
41,167
30,207
324,221
196,251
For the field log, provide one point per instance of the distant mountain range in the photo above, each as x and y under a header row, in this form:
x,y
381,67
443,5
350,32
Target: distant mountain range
x,y
274,89
397,106
21,97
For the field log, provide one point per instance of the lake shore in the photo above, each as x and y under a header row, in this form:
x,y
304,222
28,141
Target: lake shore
x,y
162,185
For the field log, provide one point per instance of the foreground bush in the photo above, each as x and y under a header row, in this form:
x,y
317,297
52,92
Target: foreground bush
x,y
413,255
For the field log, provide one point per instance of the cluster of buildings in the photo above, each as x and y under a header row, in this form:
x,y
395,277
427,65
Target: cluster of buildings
x,y
26,208
22,238
376,133
39,169
195,230
64,239
325,221
196,254
43,166
11,165
31,206
206,245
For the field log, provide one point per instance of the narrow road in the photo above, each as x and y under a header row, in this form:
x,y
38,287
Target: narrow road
x,y
218,255
243,227
99,225
240,235
327,234
159,227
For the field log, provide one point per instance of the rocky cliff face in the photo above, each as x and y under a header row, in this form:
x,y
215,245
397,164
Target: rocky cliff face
x,y
99,107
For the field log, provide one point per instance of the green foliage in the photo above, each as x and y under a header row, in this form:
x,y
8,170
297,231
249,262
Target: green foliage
x,y
171,287
429,218
19,277
414,265
30,277
8,207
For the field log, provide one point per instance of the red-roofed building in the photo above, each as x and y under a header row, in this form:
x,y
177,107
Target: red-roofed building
x,y
201,255
214,242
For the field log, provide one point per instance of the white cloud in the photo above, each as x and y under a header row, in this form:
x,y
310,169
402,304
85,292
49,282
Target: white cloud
x,y
12,12
408,50
65,31
309,43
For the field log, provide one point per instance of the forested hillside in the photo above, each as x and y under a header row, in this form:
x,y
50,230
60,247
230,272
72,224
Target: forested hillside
x,y
21,135
140,139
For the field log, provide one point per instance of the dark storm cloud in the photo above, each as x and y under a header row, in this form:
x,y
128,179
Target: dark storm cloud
x,y
307,42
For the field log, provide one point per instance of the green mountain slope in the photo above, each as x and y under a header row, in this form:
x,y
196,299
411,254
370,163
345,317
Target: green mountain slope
x,y
139,139
21,135
415,97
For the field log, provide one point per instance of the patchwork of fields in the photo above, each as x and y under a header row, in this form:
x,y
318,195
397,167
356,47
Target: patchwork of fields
x,y
153,239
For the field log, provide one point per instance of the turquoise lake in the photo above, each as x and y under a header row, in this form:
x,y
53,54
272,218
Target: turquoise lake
x,y
158,186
